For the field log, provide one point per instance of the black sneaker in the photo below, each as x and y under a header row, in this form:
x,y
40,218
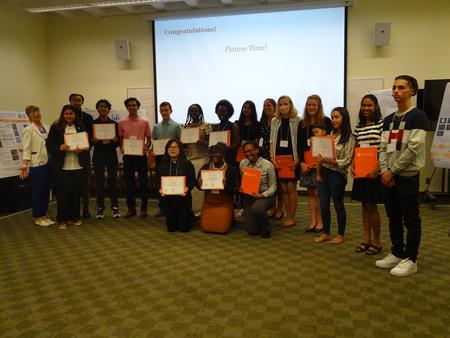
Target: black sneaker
x,y
115,212
100,213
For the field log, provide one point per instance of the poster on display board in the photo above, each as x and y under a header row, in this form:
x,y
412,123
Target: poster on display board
x,y
440,148
12,124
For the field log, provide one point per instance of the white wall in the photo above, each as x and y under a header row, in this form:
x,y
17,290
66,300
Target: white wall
x,y
83,59
23,60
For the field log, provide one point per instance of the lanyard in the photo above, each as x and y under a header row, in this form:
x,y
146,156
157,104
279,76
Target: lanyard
x,y
176,169
391,126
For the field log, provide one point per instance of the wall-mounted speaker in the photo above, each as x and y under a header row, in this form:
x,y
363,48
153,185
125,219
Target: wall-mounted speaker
x,y
123,50
382,34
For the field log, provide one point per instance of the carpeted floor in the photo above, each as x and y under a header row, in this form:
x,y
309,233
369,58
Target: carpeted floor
x,y
131,278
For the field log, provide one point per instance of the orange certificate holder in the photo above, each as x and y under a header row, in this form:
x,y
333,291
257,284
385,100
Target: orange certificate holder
x,y
173,185
309,159
77,140
240,154
365,161
323,145
219,136
250,180
283,163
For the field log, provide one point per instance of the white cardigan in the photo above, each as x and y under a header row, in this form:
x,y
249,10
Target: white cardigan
x,y
293,126
33,142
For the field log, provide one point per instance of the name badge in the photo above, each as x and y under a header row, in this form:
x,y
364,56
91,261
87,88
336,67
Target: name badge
x,y
284,144
391,146
309,142
261,142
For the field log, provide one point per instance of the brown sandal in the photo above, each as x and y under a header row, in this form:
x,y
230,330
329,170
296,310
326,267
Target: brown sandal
x,y
62,226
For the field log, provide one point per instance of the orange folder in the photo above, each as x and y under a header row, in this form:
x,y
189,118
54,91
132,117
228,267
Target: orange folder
x,y
366,159
240,154
250,180
309,159
283,163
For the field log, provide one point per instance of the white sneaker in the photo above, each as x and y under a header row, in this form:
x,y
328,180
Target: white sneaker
x,y
405,268
388,262
50,221
42,223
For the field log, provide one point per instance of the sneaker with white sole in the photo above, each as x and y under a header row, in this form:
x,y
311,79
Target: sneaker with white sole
x,y
115,212
50,221
100,213
41,223
388,262
405,268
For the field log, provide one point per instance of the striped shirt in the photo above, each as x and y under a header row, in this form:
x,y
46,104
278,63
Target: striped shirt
x,y
369,135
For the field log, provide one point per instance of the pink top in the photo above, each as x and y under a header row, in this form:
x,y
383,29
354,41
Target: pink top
x,y
135,128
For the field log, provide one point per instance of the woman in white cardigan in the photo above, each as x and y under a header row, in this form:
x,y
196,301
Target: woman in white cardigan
x,y
283,141
35,165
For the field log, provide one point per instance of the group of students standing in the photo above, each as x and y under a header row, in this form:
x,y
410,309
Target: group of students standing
x,y
399,138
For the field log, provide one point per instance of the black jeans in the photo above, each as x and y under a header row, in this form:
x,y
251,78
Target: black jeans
x,y
99,170
131,165
402,208
178,219
255,214
68,194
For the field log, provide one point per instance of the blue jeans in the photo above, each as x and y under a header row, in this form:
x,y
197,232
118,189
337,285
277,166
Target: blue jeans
x,y
40,181
332,186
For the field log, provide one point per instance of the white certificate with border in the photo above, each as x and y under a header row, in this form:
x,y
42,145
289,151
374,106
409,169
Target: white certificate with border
x,y
173,185
77,140
219,136
190,135
133,147
323,145
212,179
159,146
104,131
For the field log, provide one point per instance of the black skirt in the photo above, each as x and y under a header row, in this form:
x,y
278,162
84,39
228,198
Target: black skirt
x,y
368,191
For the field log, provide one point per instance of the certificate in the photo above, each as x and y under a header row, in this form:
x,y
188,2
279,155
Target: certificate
x,y
284,163
219,136
323,145
77,140
250,180
173,185
159,146
133,147
212,179
104,131
190,135
366,160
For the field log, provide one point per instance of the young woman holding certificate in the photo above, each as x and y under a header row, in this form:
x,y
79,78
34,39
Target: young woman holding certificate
x,y
312,115
196,149
67,163
334,175
177,179
35,165
367,186
284,154
268,113
258,191
217,210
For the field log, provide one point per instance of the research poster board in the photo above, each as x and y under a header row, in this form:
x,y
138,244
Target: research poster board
x,y
11,129
440,148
